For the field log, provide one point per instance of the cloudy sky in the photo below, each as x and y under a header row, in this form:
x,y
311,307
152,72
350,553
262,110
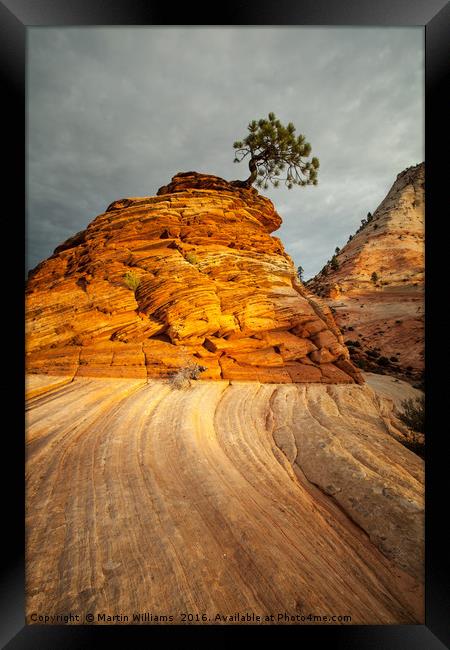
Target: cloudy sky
x,y
117,111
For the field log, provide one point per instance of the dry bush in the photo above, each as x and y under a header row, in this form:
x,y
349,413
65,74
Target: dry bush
x,y
181,379
413,414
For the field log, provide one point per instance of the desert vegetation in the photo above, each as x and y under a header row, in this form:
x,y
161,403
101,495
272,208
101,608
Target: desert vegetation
x,y
191,258
334,263
413,413
273,147
132,280
181,378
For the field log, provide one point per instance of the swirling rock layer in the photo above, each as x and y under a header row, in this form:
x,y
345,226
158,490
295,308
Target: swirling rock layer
x,y
214,287
224,498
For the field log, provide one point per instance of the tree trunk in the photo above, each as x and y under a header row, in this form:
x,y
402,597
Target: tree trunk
x,y
253,172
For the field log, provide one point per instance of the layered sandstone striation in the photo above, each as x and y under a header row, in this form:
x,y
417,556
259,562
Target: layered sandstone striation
x,y
214,287
383,313
229,496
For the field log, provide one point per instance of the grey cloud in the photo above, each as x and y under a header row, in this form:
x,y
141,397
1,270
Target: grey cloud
x,y
116,112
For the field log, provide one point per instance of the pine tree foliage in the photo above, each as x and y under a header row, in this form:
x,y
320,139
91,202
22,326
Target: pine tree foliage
x,y
275,154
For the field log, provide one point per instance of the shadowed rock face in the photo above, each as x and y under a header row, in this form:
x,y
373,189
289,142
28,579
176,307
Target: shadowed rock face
x,y
385,312
214,288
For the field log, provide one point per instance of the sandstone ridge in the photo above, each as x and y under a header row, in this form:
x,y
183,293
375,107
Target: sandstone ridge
x,y
215,287
376,289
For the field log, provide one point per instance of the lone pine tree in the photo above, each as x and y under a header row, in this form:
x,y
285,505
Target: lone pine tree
x,y
271,149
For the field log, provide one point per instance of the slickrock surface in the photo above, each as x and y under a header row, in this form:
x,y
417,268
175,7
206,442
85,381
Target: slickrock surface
x,y
387,316
215,288
227,497
390,392
392,388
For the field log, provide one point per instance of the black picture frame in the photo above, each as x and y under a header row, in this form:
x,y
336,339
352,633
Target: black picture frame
x,y
15,17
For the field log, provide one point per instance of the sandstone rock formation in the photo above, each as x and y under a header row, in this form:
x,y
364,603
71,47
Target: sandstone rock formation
x,y
383,315
214,287
227,497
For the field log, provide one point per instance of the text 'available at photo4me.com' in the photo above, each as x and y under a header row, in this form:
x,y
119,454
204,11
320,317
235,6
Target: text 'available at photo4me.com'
x,y
91,618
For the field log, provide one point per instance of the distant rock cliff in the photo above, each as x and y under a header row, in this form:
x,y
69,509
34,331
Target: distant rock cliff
x,y
214,287
375,285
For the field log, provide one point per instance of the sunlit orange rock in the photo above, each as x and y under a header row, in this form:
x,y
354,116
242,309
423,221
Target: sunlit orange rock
x,y
215,287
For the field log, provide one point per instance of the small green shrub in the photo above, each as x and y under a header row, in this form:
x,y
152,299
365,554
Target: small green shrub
x,y
413,414
374,277
191,258
132,280
334,263
353,344
383,361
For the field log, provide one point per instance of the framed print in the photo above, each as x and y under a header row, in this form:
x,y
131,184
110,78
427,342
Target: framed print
x,y
228,413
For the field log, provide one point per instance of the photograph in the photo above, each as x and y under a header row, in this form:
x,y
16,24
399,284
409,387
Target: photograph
x,y
224,325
